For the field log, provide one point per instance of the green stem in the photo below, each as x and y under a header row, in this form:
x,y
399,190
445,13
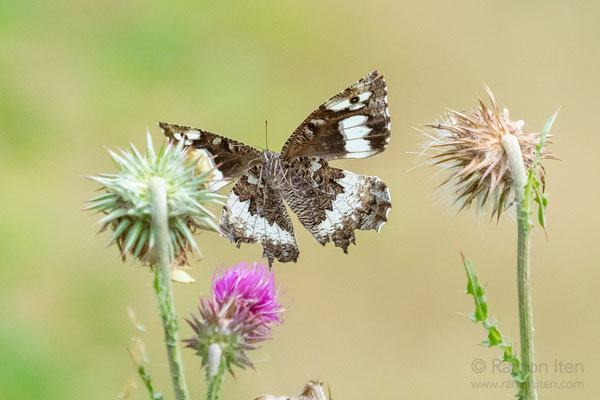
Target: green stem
x,y
525,307
144,376
162,285
147,379
515,158
214,381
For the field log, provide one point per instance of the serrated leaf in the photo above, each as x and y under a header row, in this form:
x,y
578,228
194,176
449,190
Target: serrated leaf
x,y
494,337
475,289
533,187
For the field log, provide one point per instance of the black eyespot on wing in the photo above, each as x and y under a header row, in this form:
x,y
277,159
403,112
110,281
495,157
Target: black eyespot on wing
x,y
355,123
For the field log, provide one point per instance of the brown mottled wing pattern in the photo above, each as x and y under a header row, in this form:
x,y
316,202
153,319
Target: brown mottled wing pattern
x,y
256,213
353,124
332,203
229,157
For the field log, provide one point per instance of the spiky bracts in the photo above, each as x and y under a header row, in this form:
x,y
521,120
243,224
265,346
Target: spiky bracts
x,y
239,313
469,144
127,203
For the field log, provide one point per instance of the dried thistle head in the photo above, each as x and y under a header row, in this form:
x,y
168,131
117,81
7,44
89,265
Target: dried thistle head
x,y
313,390
469,145
127,203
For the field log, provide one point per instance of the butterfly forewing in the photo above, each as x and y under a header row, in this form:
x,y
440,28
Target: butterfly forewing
x,y
353,124
230,158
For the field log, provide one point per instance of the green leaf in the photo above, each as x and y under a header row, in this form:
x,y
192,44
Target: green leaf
x,y
533,188
475,289
542,201
494,337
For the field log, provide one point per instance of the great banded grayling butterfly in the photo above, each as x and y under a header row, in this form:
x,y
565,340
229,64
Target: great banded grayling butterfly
x,y
330,202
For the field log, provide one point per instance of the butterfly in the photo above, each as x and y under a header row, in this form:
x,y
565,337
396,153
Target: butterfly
x,y
331,203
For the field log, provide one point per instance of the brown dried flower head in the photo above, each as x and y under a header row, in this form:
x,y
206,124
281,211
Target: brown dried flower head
x,y
313,390
469,144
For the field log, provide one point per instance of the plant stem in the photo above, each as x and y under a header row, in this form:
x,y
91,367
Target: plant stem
x,y
162,285
147,379
515,158
214,381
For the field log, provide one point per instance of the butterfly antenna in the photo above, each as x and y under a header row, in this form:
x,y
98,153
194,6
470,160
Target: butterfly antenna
x,y
266,135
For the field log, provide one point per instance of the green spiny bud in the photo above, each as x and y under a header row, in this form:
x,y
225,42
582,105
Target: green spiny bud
x,y
127,204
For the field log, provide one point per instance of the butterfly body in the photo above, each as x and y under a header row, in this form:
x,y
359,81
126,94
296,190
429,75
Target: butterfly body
x,y
274,169
331,203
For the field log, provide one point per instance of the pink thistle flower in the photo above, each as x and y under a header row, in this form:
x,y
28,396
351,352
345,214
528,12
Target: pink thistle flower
x,y
239,313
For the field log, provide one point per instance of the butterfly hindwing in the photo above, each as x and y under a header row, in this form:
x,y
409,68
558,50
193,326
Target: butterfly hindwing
x,y
255,212
229,157
332,203
353,124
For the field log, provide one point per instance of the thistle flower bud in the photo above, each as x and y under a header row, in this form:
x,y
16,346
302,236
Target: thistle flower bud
x,y
469,144
239,313
127,203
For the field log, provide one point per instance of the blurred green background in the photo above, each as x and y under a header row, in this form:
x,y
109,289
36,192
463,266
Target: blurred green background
x,y
385,321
